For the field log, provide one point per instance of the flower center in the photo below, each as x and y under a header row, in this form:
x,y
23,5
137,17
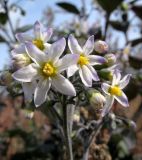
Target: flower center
x,y
39,44
49,70
83,60
115,90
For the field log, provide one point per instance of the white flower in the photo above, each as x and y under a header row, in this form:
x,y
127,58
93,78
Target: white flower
x,y
86,61
47,69
39,39
114,91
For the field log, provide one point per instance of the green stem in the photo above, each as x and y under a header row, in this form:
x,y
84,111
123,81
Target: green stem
x,y
68,141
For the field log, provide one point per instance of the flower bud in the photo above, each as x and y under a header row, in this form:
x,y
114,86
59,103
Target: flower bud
x,y
5,78
21,60
100,46
111,59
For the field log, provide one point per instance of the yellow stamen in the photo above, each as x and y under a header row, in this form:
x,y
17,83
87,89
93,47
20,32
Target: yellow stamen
x,y
49,70
115,90
39,44
83,60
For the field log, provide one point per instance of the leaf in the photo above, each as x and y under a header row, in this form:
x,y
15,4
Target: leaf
x,y
109,6
3,18
135,62
24,28
138,11
120,26
135,42
68,7
2,39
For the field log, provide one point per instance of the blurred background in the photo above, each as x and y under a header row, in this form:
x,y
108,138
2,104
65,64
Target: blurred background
x,y
26,134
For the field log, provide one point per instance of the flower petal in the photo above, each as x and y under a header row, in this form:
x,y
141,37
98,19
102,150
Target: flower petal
x,y
105,87
18,50
89,46
23,37
67,61
26,74
57,49
47,34
41,91
29,89
94,73
108,105
63,85
36,54
116,77
86,76
123,100
37,30
123,83
71,70
74,46
96,60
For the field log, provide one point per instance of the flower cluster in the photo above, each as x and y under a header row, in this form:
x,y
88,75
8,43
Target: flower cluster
x,y
41,66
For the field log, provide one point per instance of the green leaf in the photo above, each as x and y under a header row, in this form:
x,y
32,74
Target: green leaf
x,y
135,62
3,18
24,28
138,11
108,5
120,26
68,7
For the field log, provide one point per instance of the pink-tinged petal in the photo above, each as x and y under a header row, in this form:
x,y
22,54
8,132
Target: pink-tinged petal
x,y
67,61
26,74
56,50
23,37
89,46
63,85
96,60
36,54
20,49
28,89
105,87
94,73
46,35
108,105
74,45
41,90
123,100
86,76
37,30
116,78
123,83
71,70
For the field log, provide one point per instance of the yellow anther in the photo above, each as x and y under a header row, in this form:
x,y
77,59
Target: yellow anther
x,y
49,70
83,60
39,44
115,90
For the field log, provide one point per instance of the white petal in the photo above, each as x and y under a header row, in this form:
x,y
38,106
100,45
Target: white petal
x,y
37,30
29,89
26,74
123,83
47,34
123,100
108,105
89,46
57,49
96,60
71,70
94,73
63,85
105,87
18,50
41,91
74,46
36,54
116,78
23,37
67,61
86,76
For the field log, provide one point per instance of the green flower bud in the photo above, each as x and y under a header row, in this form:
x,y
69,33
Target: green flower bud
x,y
100,46
111,59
